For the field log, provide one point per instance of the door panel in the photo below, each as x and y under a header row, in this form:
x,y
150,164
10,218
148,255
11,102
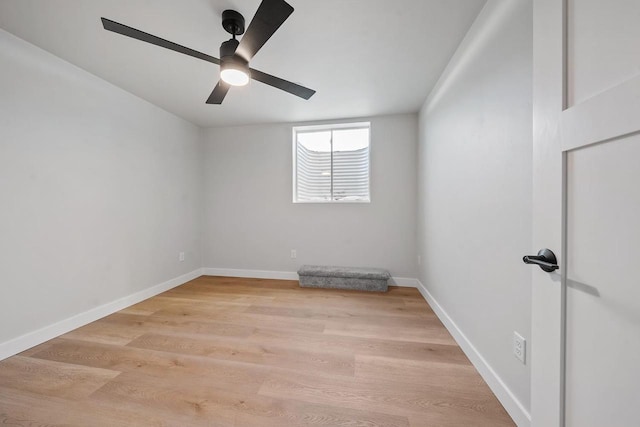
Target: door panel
x,y
603,290
586,326
602,46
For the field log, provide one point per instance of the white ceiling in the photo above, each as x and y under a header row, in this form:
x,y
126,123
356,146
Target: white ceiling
x,y
363,57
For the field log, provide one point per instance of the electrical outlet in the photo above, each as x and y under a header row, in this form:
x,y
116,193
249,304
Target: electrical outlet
x,y
419,260
181,256
294,254
519,347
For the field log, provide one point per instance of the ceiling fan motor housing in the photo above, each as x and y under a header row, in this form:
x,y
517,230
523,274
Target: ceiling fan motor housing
x,y
228,57
228,48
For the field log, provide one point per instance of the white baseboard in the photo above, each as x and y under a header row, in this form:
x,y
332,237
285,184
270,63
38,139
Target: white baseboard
x,y
251,274
30,339
287,275
514,407
405,282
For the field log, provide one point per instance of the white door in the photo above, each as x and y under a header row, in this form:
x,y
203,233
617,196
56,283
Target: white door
x,y
585,344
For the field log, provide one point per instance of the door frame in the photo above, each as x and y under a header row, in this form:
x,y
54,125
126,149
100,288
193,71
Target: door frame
x,y
549,208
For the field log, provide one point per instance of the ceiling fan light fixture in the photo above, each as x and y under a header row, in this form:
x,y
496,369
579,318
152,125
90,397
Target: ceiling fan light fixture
x,y
234,75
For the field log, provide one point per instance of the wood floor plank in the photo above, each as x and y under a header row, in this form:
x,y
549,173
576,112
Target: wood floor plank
x,y
405,292
358,304
234,352
364,346
247,288
434,333
455,376
239,316
194,406
151,305
247,352
122,328
35,349
241,296
171,367
434,404
52,378
107,332
182,322
340,314
25,409
202,404
302,415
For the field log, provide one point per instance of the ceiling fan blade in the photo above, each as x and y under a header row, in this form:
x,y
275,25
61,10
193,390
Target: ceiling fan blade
x,y
125,30
268,18
218,94
287,86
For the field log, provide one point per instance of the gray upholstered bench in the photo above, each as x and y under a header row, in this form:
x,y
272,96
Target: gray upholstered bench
x,y
364,279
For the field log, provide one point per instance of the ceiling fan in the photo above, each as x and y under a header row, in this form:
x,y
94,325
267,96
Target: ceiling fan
x,y
234,55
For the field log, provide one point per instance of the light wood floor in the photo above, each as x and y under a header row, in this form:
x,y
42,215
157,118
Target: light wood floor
x,y
246,352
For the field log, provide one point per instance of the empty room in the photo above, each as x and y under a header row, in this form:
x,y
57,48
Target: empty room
x,y
284,213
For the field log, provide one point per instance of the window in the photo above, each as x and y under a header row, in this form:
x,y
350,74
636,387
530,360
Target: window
x,y
331,163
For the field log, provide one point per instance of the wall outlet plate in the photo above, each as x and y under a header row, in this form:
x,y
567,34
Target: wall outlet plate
x,y
519,347
181,256
294,254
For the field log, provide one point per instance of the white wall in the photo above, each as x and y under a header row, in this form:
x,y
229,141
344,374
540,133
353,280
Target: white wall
x,y
99,191
474,220
251,222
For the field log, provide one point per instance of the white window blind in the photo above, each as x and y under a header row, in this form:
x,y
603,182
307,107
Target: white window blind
x,y
331,163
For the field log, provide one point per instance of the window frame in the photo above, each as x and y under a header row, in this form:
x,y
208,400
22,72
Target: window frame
x,y
328,127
